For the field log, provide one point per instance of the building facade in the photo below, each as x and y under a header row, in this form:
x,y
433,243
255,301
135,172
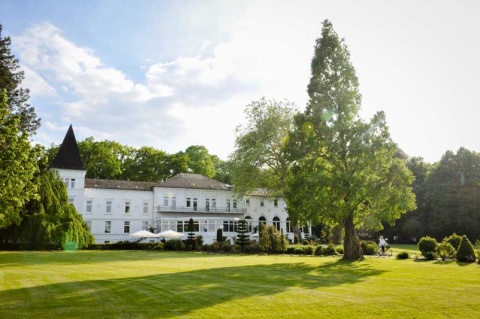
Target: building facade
x,y
115,209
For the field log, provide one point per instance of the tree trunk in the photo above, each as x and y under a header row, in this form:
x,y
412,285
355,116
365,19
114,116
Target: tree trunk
x,y
351,245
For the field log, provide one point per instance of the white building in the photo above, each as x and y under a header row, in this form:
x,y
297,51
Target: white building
x,y
114,209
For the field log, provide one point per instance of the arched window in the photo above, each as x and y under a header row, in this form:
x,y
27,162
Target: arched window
x,y
262,220
249,223
276,223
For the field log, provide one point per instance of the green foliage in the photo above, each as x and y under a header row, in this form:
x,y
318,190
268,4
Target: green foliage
x,y
369,247
51,222
191,235
18,164
445,250
465,251
258,160
339,249
200,161
308,250
299,251
10,81
271,240
242,238
346,170
403,255
427,246
174,244
453,240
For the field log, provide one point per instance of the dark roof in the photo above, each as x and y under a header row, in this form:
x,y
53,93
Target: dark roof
x,y
68,156
114,184
196,181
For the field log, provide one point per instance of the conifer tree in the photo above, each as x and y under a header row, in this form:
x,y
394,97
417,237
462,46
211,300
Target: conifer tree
x,y
346,170
243,238
10,80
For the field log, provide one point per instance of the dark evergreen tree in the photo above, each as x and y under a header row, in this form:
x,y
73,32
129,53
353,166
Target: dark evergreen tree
x,y
10,81
191,235
243,238
219,235
465,251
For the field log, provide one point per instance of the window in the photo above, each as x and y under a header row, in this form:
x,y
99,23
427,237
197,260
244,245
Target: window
x,y
247,201
88,208
145,225
180,226
289,226
165,201
214,203
189,202
66,181
262,220
228,205
126,227
145,207
108,208
127,207
108,226
276,222
234,203
72,183
174,202
207,204
262,202
275,203
195,204
249,223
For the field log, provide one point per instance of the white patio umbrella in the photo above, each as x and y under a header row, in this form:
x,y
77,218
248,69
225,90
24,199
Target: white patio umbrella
x,y
143,234
169,234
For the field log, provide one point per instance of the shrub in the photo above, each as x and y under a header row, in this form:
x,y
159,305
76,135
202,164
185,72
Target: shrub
x,y
290,250
305,242
369,247
158,246
465,251
318,251
445,249
308,250
403,255
174,244
298,251
254,248
454,240
330,250
427,246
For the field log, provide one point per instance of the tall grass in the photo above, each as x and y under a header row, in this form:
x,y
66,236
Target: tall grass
x,y
132,284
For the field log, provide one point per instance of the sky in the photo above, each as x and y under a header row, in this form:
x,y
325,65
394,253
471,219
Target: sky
x,y
171,74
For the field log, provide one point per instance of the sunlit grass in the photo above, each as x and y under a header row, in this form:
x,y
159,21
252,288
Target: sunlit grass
x,y
126,284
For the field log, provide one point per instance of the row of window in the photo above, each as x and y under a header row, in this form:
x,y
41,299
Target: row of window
x,y
69,182
126,226
108,207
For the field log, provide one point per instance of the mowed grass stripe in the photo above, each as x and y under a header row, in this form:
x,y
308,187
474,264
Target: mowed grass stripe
x,y
128,284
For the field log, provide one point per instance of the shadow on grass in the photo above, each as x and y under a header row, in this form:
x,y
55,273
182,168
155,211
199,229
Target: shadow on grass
x,y
174,294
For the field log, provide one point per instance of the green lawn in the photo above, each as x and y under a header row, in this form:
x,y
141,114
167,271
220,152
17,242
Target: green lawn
x,y
131,284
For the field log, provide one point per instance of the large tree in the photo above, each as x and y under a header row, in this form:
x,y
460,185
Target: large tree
x,y
200,161
10,80
18,164
259,160
348,167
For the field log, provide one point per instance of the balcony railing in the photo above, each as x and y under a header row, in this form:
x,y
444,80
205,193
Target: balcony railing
x,y
198,209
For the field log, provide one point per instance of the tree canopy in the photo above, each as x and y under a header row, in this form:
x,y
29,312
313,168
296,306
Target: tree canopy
x,y
18,164
10,81
346,170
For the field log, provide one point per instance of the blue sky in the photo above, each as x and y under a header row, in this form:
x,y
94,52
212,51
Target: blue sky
x,y
171,74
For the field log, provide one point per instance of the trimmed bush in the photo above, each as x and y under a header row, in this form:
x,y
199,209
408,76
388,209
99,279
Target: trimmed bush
x,y
318,251
465,251
403,255
454,240
330,250
339,249
305,242
174,244
445,249
427,246
308,250
298,251
290,250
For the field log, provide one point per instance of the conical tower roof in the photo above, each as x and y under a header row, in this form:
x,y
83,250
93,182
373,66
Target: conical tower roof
x,y
68,156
